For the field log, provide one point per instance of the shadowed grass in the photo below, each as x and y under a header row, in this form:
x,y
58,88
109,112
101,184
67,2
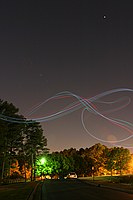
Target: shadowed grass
x,y
123,182
115,179
20,191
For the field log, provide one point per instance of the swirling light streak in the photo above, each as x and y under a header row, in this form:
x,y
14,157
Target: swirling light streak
x,y
85,103
122,125
67,110
113,102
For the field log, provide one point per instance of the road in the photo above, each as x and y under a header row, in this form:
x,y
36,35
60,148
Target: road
x,y
76,190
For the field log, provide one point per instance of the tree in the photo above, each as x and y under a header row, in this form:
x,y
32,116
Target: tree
x,y
55,164
80,165
20,139
95,157
122,157
117,159
9,134
34,144
110,160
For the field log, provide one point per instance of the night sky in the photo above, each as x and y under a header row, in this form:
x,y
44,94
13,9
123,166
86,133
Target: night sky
x,y
85,47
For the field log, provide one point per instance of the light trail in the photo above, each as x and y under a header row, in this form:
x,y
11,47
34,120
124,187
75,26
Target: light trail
x,y
86,104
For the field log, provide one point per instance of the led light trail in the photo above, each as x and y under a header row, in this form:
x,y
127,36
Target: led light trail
x,y
86,104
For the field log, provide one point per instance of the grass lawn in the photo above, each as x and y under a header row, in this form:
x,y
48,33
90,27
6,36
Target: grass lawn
x,y
19,191
123,182
116,179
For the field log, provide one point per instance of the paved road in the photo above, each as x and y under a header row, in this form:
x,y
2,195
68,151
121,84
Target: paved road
x,y
76,190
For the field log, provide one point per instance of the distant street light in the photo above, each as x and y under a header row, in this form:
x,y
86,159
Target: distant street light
x,y
92,173
43,160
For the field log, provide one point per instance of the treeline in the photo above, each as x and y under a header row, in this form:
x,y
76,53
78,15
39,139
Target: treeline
x,y
23,152
21,142
98,160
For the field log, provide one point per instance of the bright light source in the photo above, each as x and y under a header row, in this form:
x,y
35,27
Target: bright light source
x,y
43,160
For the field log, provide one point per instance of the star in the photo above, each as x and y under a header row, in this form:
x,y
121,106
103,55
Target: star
x,y
104,16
